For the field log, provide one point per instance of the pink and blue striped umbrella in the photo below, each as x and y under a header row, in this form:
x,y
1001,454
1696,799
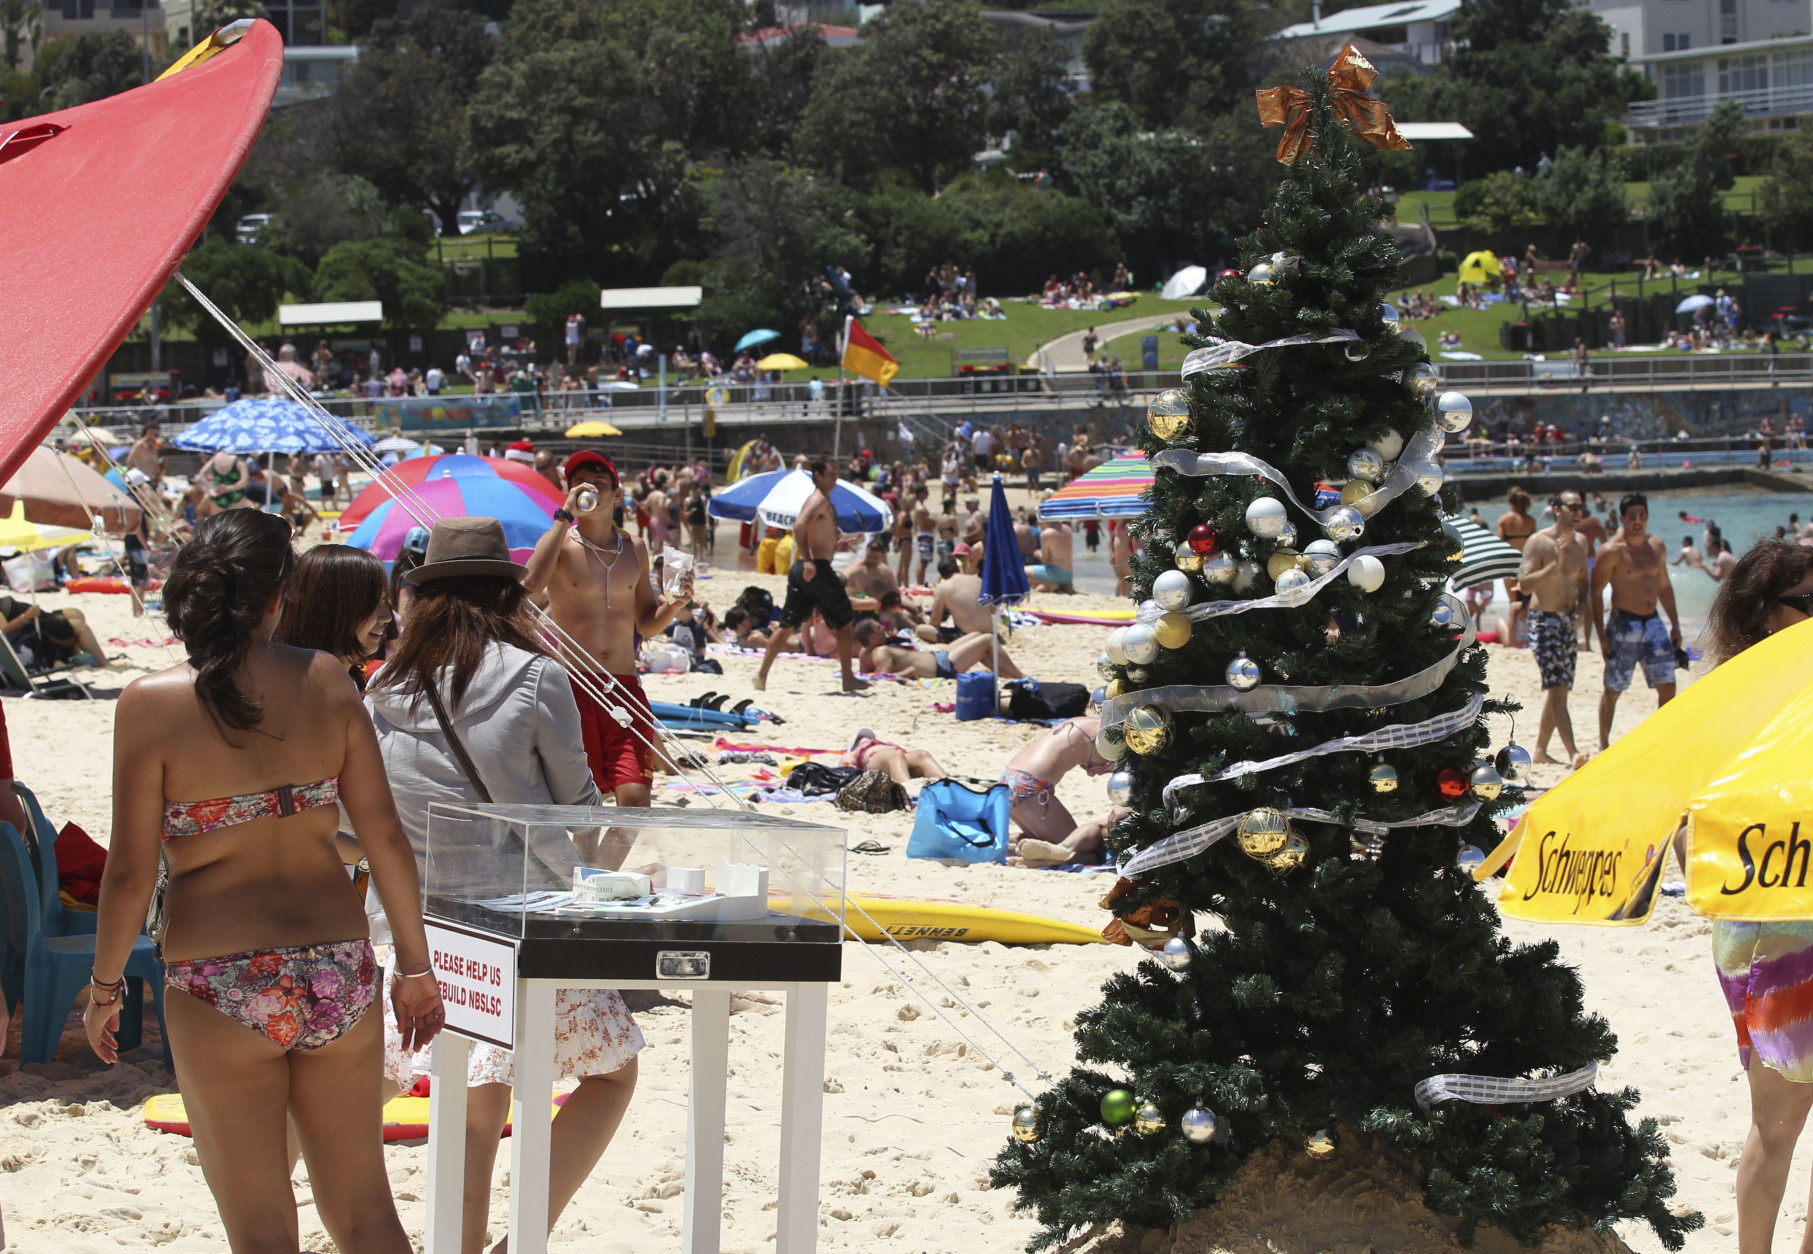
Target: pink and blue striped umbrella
x,y
525,514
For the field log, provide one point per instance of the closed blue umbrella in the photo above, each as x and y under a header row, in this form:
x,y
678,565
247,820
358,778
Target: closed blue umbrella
x,y
756,337
1003,573
265,426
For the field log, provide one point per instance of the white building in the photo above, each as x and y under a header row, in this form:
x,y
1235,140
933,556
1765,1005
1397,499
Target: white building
x,y
1771,78
1648,28
1417,28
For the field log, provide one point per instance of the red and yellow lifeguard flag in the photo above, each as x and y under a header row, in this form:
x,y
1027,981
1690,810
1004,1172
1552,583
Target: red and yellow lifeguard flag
x,y
865,356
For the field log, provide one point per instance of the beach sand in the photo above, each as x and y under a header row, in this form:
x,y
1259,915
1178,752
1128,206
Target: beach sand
x,y
913,1114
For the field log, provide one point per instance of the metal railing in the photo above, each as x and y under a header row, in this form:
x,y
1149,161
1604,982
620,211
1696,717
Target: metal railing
x,y
1463,459
1691,110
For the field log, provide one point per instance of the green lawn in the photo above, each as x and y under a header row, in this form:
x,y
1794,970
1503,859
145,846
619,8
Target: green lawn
x,y
1739,198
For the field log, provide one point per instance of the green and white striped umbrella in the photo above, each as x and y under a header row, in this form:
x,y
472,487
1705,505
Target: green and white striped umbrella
x,y
1484,558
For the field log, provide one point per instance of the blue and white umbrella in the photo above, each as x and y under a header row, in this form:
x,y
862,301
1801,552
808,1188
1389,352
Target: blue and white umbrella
x,y
266,426
777,496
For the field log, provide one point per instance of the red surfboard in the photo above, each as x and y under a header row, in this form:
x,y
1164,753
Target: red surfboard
x,y
98,206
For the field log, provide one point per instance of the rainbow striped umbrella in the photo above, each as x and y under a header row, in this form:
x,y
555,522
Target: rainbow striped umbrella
x,y
1115,489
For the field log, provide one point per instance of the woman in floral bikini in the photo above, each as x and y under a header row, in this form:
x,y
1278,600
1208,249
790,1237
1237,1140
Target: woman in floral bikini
x,y
232,763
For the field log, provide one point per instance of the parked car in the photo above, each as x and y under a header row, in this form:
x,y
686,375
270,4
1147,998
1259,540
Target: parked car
x,y
478,221
251,227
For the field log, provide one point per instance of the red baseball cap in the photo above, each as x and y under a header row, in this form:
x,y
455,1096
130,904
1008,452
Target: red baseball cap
x,y
591,457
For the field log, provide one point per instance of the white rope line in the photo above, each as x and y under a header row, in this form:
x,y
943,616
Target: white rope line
x,y
402,492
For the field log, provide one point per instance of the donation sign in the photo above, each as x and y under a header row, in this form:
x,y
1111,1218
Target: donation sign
x,y
1605,877
477,975
1749,862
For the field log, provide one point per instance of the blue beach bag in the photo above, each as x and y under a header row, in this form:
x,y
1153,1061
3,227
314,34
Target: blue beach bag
x,y
961,824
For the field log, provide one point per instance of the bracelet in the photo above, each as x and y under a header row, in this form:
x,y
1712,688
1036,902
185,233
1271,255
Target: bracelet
x,y
417,975
117,988
564,514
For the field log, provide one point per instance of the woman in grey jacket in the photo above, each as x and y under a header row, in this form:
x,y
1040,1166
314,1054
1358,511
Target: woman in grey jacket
x,y
468,642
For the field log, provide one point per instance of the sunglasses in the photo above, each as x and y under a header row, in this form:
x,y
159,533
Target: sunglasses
x,y
1802,601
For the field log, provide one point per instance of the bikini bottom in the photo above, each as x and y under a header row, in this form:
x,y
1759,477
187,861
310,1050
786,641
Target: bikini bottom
x,y
301,998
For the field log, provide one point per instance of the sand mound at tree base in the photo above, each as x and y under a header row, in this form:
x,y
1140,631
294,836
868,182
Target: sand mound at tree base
x,y
1363,1199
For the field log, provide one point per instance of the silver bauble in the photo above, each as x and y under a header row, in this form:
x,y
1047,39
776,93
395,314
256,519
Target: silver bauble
x,y
1291,580
1453,412
1149,610
1120,788
1344,524
1104,665
1513,763
1261,273
1177,953
1243,673
1097,700
1218,569
1026,1125
1265,517
1139,644
1486,782
1148,1120
1198,1125
1113,749
1366,465
1423,381
1246,576
1115,646
1287,536
1320,557
1384,778
1429,483
1366,572
1172,590
1414,338
1388,314
1470,858
1388,446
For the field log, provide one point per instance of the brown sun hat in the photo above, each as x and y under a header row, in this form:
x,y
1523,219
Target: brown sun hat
x,y
466,546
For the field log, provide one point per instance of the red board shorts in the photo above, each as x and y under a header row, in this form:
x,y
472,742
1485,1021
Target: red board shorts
x,y
619,755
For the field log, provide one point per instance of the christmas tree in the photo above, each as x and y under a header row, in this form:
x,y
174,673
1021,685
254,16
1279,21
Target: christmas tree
x,y
1300,732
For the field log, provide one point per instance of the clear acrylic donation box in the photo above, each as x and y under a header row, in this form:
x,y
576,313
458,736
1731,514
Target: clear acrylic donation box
x,y
641,894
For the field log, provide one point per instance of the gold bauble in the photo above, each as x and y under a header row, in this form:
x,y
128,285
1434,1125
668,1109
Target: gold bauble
x,y
1355,490
1148,1119
1026,1125
1282,560
1147,729
1262,833
1289,858
1168,414
1113,688
1384,778
1321,1145
1172,628
1188,562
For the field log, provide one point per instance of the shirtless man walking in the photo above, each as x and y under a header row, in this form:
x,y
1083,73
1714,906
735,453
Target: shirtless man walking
x,y
1592,534
1633,564
1050,835
1515,527
924,531
586,566
812,584
1554,576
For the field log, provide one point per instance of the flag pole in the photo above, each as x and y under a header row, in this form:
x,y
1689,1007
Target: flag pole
x,y
837,436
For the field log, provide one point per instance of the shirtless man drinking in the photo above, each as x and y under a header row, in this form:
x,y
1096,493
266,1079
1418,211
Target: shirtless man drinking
x,y
812,584
586,566
1055,571
1554,576
1050,835
1632,564
881,658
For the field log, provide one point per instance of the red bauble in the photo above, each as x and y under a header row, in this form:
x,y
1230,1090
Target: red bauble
x,y
1451,782
1203,539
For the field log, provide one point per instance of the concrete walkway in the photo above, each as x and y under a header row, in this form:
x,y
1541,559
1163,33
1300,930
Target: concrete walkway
x,y
1065,354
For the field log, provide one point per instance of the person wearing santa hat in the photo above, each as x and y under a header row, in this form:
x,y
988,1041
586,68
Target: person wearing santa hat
x,y
521,451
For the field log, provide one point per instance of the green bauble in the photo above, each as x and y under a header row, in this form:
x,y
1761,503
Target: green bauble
x,y
1118,1107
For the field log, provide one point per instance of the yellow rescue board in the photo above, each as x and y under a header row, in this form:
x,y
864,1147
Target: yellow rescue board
x,y
405,1117
906,918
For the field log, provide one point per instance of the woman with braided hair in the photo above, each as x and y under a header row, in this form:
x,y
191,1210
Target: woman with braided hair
x,y
230,764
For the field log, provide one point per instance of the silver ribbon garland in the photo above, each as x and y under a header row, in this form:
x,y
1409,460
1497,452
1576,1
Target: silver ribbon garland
x,y
1226,352
1417,460
1205,610
1397,736
1281,699
1491,1090
1192,841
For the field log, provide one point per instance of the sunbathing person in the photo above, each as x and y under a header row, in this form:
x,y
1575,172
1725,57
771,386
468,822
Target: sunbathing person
x,y
972,651
866,753
1051,834
740,629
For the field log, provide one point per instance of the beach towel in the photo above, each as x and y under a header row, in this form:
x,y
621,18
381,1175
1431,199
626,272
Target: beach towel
x,y
80,863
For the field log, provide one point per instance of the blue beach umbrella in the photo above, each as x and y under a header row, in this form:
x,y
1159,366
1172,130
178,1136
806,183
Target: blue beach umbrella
x,y
265,426
753,338
776,497
1003,575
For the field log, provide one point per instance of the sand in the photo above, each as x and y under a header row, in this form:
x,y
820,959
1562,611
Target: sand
x,y
913,1114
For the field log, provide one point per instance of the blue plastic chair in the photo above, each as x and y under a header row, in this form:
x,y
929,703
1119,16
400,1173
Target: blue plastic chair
x,y
41,843
56,968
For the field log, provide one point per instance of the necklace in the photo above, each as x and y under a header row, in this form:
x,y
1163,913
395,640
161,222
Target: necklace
x,y
599,551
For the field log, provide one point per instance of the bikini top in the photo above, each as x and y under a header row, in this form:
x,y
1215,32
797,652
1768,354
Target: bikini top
x,y
184,818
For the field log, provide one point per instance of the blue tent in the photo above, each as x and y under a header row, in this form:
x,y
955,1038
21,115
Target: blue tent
x,y
264,426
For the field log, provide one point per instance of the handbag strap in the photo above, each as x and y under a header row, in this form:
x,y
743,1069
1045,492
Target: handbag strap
x,y
454,742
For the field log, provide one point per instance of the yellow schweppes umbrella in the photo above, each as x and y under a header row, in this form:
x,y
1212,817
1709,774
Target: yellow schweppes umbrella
x,y
1731,751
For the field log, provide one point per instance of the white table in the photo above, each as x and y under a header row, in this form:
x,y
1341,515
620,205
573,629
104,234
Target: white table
x,y
802,1108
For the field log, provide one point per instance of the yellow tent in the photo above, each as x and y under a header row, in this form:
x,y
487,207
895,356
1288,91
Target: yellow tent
x,y
588,430
1480,267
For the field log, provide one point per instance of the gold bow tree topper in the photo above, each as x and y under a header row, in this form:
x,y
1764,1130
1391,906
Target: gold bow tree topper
x,y
1349,79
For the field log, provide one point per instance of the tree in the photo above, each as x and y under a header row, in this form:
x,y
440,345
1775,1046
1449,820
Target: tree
x,y
1687,215
781,75
398,117
1032,99
1175,62
1786,197
211,15
1526,77
909,97
388,269
1583,195
1501,201
21,26
90,66
247,282
1320,973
